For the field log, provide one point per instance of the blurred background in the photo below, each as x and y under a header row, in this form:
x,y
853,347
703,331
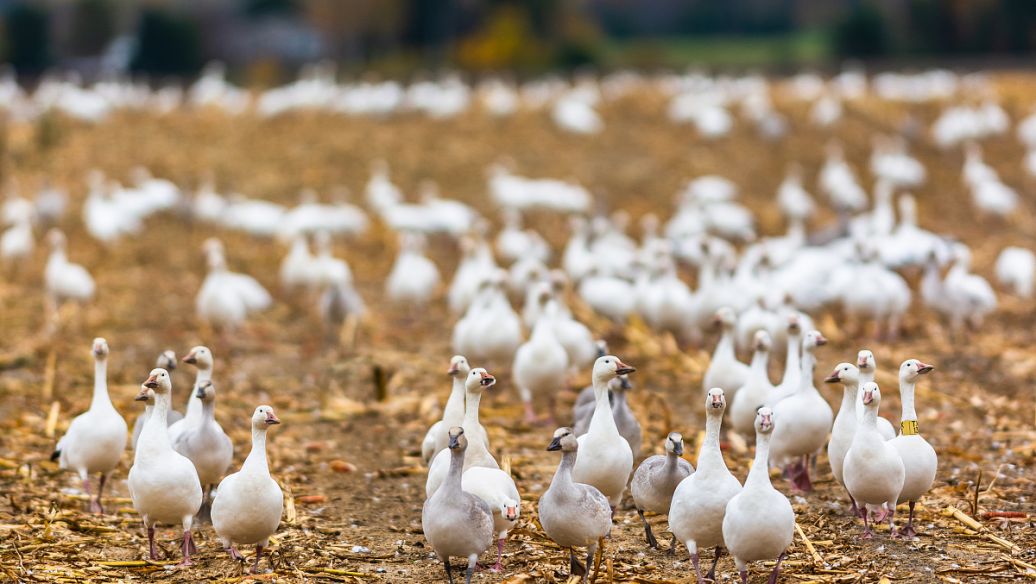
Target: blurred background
x,y
264,42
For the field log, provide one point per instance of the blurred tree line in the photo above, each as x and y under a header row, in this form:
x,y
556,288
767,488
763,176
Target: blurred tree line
x,y
175,37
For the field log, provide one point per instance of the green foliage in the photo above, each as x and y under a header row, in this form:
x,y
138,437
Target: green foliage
x,y
167,44
27,28
259,8
861,33
93,26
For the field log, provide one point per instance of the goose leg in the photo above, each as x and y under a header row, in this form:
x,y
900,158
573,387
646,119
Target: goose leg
x,y
672,546
205,511
711,575
449,572
185,548
472,560
647,530
258,554
804,483
776,570
693,548
95,504
152,550
853,509
893,533
908,530
499,566
234,554
591,552
867,534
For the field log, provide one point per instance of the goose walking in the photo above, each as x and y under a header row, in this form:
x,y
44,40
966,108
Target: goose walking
x,y
759,522
655,481
248,504
920,462
606,459
96,438
573,514
457,523
873,470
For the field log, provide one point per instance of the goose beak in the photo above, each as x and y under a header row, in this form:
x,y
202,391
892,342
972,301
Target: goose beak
x,y
142,395
833,378
623,369
199,392
821,340
861,363
868,397
190,358
272,419
717,401
511,512
923,368
555,444
454,442
766,424
487,379
678,448
453,370
151,382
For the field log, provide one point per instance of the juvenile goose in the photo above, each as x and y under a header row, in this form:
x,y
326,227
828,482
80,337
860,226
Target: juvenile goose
x,y
163,483
759,522
656,479
457,523
873,469
497,489
203,360
438,436
700,500
204,442
868,367
725,371
248,504
96,438
540,364
756,389
920,461
573,514
806,419
606,460
477,381
166,360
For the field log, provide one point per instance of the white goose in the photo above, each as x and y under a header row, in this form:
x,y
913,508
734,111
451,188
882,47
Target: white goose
x,y
204,442
64,280
96,438
700,501
457,523
920,461
655,481
868,367
846,421
725,371
226,297
477,381
759,523
540,364
438,435
1016,270
497,489
873,469
248,506
163,484
202,358
606,459
756,389
792,363
166,360
414,278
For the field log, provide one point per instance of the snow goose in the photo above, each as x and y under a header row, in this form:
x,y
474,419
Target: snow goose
x,y
457,523
513,242
1016,270
201,357
625,420
163,483
226,297
868,367
540,364
873,469
297,268
700,500
414,279
166,360
96,438
476,261
17,242
436,438
607,460
725,371
806,419
656,479
877,293
477,381
759,523
795,202
573,514
792,363
248,506
494,329
611,296
970,295
920,461
204,442
845,423
497,489
756,388
64,280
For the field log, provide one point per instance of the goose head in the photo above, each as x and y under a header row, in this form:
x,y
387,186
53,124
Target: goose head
x,y
871,395
479,380
715,402
158,381
200,357
844,373
764,420
509,509
794,325
205,391
458,441
609,367
812,340
674,444
865,360
263,417
458,366
725,319
911,369
100,349
762,343
166,360
564,440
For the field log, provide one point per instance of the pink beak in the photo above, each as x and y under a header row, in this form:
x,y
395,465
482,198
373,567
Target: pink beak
x,y
923,368
272,418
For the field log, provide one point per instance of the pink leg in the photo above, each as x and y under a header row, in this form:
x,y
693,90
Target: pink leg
x,y
258,554
697,566
530,414
234,554
776,569
744,576
153,551
908,531
867,534
95,504
893,534
185,549
499,566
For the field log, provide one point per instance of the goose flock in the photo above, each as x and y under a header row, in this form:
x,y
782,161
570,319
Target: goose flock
x,y
532,302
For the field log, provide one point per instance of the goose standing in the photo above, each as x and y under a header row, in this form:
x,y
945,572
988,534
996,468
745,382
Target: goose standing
x,y
438,436
868,368
64,280
166,360
656,479
163,483
845,424
805,419
477,381
920,462
700,500
759,522
497,489
539,364
414,279
204,442
756,389
249,502
873,469
96,438
573,514
607,460
725,371
625,420
1016,270
792,363
202,359
457,523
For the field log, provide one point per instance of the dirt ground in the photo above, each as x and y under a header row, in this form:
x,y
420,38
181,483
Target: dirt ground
x,y
363,524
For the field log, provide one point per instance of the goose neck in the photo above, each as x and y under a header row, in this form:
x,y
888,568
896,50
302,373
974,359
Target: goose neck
x,y
257,457
850,390
453,476
759,363
760,472
100,396
710,456
906,396
471,404
808,364
603,420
